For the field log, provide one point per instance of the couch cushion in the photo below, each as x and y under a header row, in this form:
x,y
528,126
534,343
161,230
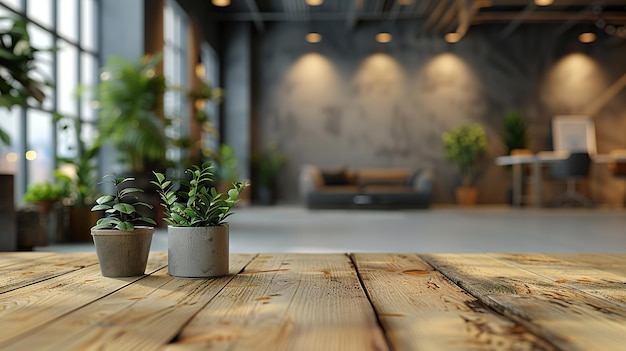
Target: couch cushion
x,y
386,189
383,176
336,177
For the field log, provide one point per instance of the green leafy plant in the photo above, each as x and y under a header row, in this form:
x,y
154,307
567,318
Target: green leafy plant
x,y
199,205
227,164
129,97
44,191
465,146
17,62
81,185
120,208
515,134
267,163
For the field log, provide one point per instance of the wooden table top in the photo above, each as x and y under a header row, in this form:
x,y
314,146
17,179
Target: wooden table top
x,y
51,301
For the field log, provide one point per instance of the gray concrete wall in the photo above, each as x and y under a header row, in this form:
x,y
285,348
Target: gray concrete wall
x,y
237,84
349,101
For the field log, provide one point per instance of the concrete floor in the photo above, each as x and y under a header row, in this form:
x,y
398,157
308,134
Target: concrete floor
x,y
442,229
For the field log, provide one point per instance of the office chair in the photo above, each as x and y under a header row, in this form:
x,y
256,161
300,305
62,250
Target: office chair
x,y
571,169
618,166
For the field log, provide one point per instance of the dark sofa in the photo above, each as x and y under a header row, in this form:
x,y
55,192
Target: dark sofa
x,y
372,188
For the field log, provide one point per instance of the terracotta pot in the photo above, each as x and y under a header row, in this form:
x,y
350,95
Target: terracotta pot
x,y
197,252
122,253
466,196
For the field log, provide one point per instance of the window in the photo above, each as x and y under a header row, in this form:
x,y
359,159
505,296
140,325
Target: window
x,y
175,68
71,28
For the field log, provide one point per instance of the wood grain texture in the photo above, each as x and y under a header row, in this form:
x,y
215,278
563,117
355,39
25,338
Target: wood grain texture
x,y
420,309
566,317
143,316
288,302
584,277
10,258
42,267
25,310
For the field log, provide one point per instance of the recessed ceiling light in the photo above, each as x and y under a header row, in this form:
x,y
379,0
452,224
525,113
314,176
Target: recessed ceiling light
x,y
220,3
314,2
313,37
383,37
452,37
543,2
587,37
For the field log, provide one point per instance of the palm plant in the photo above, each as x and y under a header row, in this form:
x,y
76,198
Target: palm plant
x,y
129,97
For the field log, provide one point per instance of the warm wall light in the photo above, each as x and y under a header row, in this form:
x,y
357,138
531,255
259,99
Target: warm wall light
x,y
314,2
383,37
452,37
587,37
313,37
12,157
220,3
543,2
200,70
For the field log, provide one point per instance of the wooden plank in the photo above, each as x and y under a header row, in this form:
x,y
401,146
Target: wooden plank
x,y
420,309
613,263
565,317
42,267
10,258
26,309
584,277
288,302
141,316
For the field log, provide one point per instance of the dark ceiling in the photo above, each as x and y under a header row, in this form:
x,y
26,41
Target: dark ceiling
x,y
435,16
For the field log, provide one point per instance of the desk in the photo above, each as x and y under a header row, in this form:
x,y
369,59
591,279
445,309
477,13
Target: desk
x,y
536,161
319,302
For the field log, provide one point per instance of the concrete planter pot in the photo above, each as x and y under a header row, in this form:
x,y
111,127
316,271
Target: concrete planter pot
x,y
197,252
122,253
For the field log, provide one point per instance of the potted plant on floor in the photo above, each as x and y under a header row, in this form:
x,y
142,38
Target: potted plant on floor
x,y
465,146
267,164
44,195
121,246
197,231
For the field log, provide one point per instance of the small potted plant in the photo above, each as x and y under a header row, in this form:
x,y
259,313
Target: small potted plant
x,y
122,247
197,231
465,146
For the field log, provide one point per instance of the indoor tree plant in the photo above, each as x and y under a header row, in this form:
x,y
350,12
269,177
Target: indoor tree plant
x,y
122,247
266,164
465,146
197,231
515,134
78,174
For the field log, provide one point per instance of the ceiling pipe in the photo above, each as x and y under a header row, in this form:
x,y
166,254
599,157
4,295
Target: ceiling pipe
x,y
256,17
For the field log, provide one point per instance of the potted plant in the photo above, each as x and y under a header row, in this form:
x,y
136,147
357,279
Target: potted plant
x,y
266,164
465,146
515,136
197,231
121,246
78,174
44,195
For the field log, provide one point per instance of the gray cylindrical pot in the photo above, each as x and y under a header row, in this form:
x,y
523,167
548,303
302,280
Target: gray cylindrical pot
x,y
122,253
197,252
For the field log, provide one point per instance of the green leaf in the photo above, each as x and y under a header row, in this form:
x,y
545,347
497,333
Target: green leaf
x,y
159,176
104,199
100,207
124,208
147,220
126,226
127,191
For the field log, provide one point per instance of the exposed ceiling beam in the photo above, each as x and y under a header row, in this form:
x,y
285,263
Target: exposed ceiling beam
x,y
254,13
315,16
352,13
435,15
528,10
546,17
